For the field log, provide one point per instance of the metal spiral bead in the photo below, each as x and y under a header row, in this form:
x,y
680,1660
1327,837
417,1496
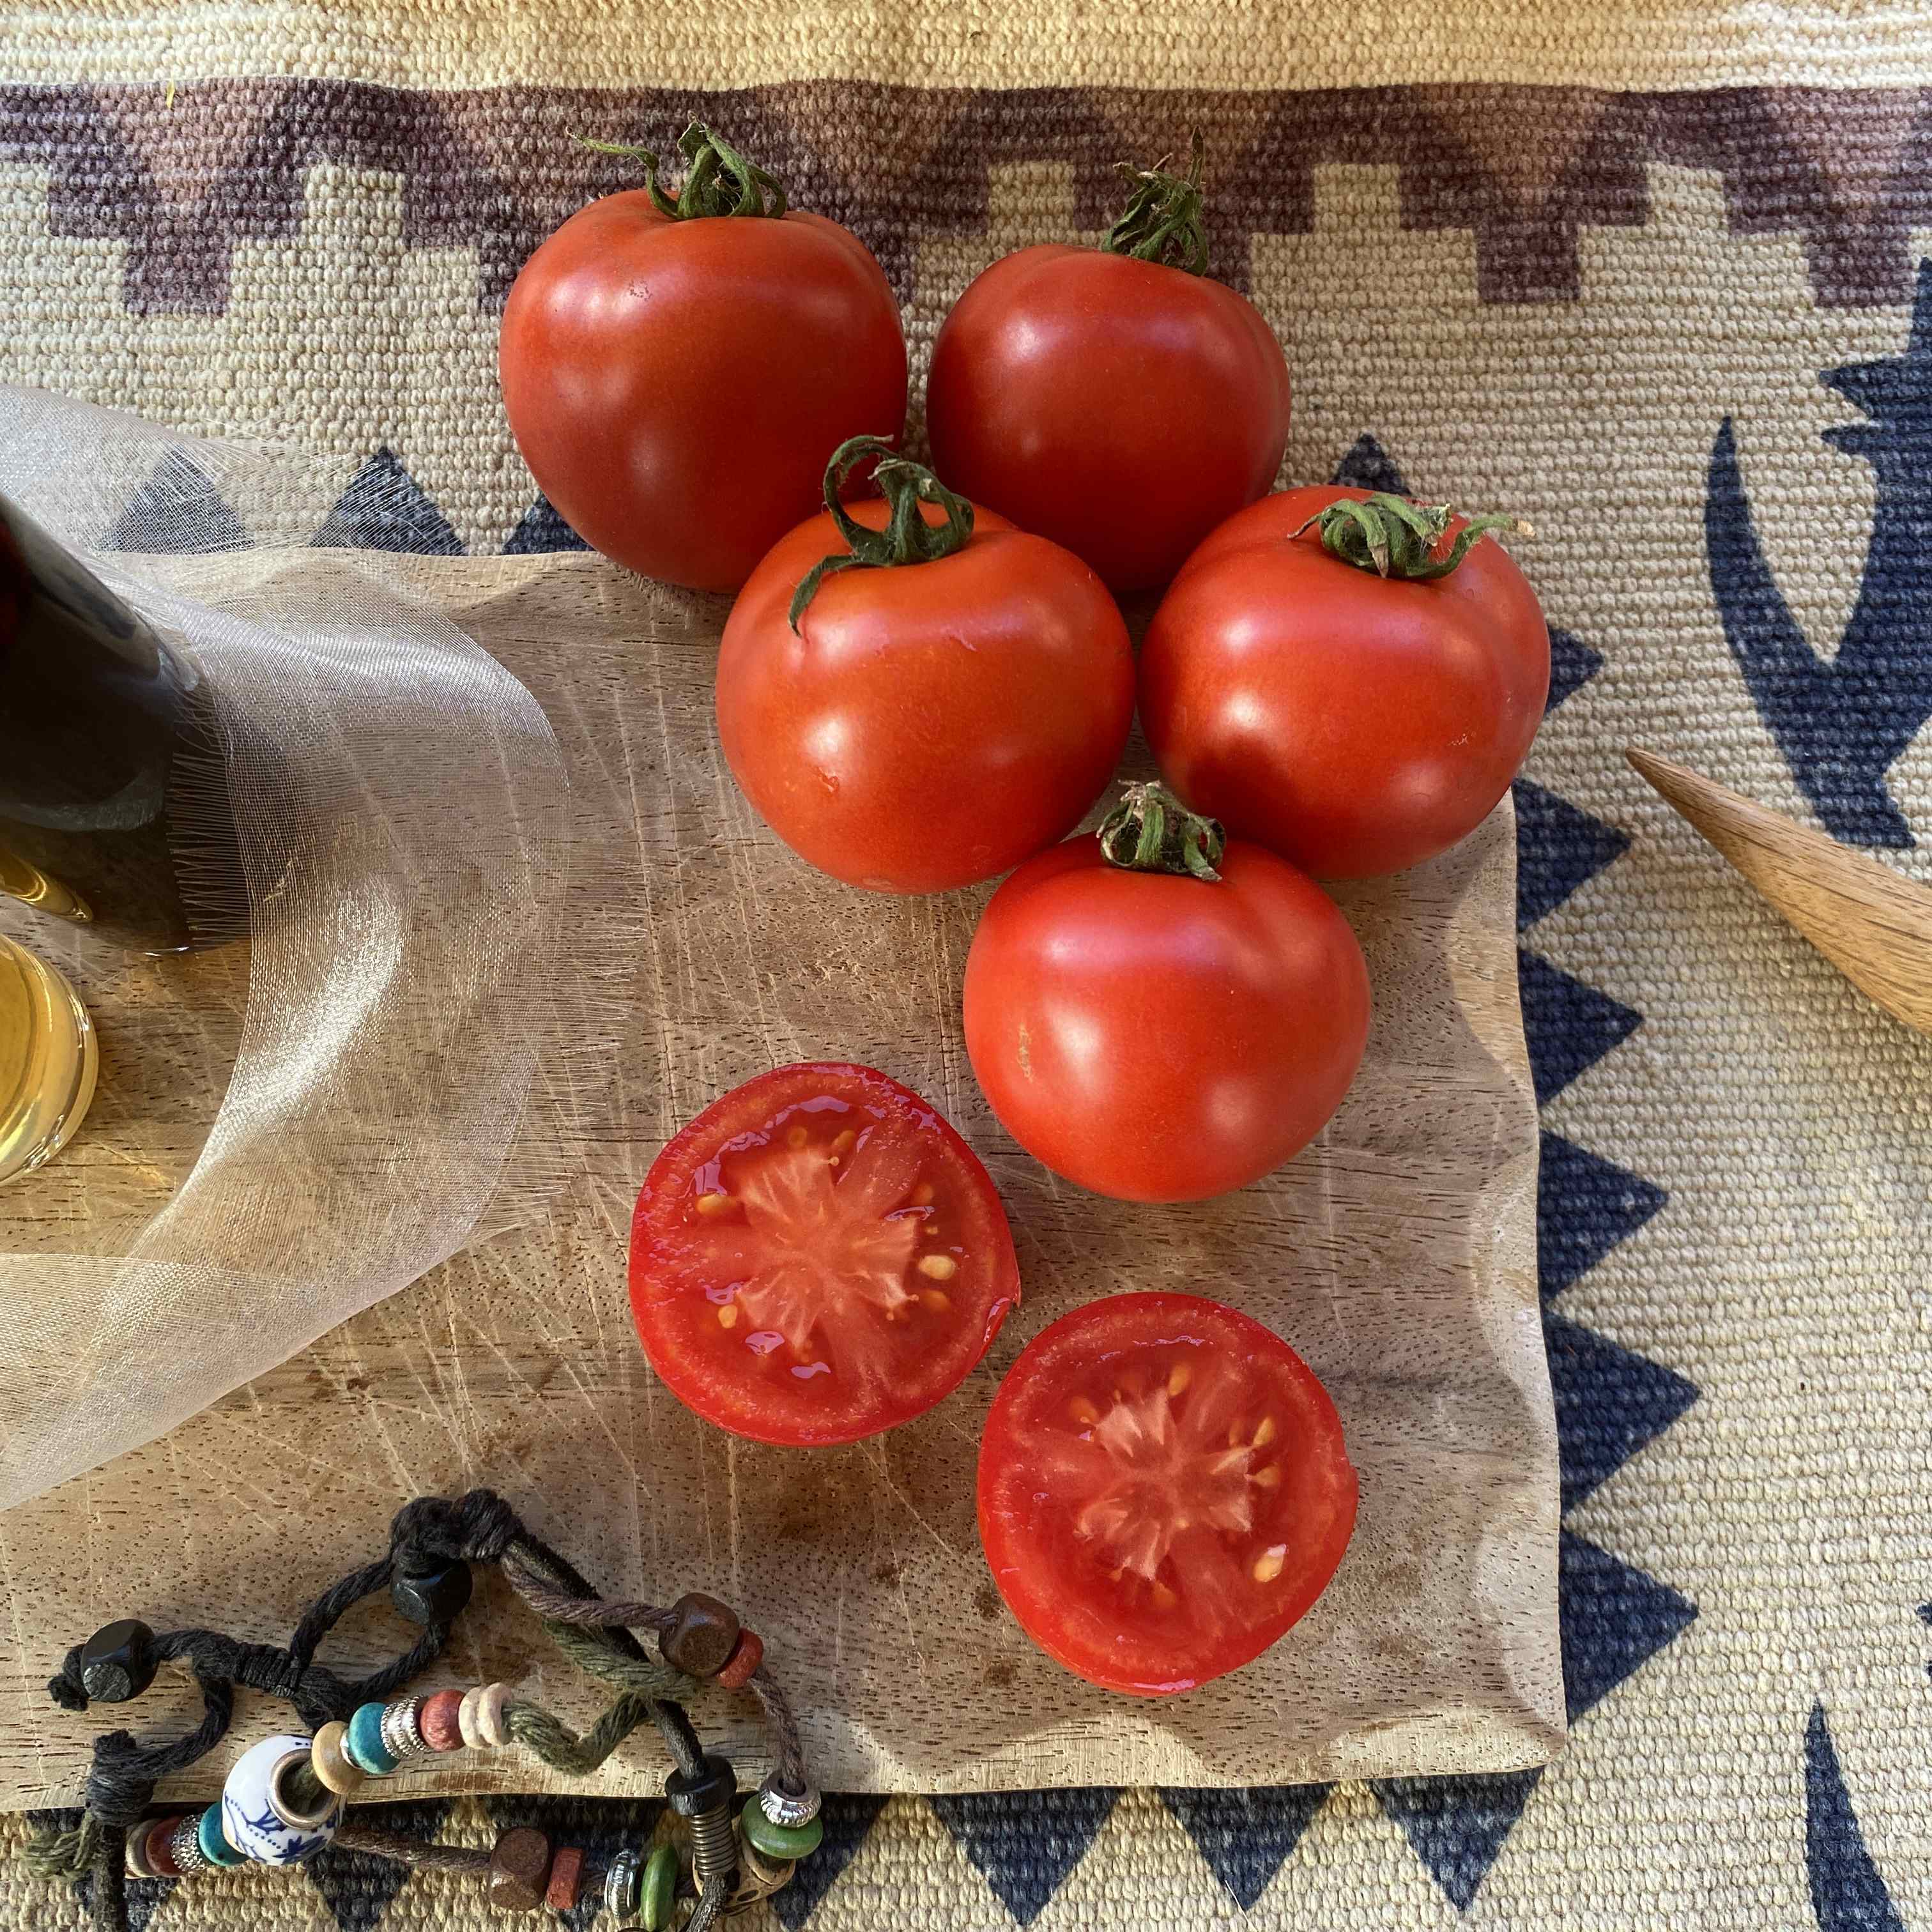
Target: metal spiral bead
x,y
788,1808
714,1846
185,1847
402,1729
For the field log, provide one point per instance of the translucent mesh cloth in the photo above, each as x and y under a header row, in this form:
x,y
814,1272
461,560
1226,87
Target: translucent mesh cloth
x,y
400,802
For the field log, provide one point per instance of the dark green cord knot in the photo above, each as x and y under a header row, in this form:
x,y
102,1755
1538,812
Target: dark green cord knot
x,y
908,538
1151,831
1162,220
718,180
1395,538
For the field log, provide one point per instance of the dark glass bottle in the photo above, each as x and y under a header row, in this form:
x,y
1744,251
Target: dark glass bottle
x,y
114,808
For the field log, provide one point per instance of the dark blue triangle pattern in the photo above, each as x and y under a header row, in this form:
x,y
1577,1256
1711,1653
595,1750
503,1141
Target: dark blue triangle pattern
x,y
1245,1835
1026,1842
1584,1206
1559,848
1847,1893
178,510
1456,1826
358,1888
385,508
1609,1403
542,529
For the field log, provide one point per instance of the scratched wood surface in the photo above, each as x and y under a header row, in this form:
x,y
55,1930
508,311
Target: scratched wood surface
x,y
1397,1254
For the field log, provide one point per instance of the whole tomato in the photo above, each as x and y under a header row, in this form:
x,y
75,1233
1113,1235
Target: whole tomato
x,y
1158,1035
1115,399
915,696
676,372
1354,722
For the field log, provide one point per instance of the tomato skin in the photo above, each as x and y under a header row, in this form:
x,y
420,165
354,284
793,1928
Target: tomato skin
x,y
1058,1579
935,723
1354,724
1122,408
1158,1038
743,1380
677,387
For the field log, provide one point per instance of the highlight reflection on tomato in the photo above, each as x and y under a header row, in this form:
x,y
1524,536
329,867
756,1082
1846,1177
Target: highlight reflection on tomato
x,y
1163,1491
818,1256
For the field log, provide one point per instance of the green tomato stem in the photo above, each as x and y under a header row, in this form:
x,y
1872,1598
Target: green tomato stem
x,y
1395,538
717,179
1151,831
908,538
1161,222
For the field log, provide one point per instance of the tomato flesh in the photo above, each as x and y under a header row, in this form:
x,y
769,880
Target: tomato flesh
x,y
818,1256
1163,1490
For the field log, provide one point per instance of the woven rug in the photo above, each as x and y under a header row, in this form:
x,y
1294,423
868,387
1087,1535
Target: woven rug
x,y
1649,273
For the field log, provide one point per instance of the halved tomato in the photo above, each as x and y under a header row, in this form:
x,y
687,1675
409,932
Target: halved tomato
x,y
1163,1490
818,1256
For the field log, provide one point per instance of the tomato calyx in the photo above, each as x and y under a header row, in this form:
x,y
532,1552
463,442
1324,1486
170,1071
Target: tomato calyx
x,y
1395,538
717,179
1151,831
907,538
1161,222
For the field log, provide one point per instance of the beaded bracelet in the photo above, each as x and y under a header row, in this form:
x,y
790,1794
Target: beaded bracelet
x,y
284,1800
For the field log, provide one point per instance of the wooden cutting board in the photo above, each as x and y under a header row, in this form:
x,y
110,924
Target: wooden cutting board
x,y
1397,1254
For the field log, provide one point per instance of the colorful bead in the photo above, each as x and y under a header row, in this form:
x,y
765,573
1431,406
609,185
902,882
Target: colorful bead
x,y
519,1871
782,1842
749,1654
466,1718
657,1890
159,1850
402,1732
566,1880
703,1635
214,1846
184,1848
441,1731
366,1751
620,1886
328,1756
489,1725
783,1806
758,1877
256,1816
118,1661
136,1861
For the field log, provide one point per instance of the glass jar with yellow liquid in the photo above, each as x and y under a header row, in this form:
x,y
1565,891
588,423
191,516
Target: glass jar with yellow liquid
x,y
48,1060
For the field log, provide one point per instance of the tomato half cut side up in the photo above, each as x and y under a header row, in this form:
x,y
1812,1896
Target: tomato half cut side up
x,y
1163,1491
818,1256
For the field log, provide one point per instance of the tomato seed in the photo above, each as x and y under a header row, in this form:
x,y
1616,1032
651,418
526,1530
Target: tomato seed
x,y
1164,1599
1270,1563
1269,1478
713,1204
939,1268
921,1194
937,1300
727,1315
1083,1412
1265,1435
845,1142
1179,1376
795,1137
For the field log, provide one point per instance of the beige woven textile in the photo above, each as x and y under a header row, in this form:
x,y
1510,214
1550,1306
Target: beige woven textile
x,y
1585,263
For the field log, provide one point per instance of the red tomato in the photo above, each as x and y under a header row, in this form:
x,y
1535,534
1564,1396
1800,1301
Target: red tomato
x,y
816,1257
1158,1038
935,723
1353,723
1123,408
1163,1490
675,386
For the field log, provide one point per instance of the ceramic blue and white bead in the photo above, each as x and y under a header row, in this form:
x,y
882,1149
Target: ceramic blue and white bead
x,y
249,1815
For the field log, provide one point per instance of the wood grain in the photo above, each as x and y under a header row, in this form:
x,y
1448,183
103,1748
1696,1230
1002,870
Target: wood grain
x,y
1397,1254
1874,924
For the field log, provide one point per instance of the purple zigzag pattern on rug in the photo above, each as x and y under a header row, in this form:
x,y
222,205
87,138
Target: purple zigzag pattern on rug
x,y
183,173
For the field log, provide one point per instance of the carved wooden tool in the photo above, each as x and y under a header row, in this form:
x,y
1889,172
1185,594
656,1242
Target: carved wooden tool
x,y
1875,926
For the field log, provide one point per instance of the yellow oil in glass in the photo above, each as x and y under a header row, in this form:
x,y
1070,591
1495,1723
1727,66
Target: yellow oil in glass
x,y
48,1060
